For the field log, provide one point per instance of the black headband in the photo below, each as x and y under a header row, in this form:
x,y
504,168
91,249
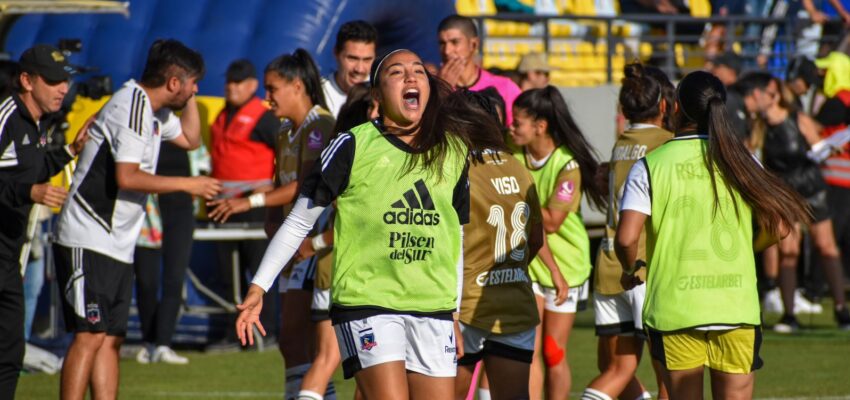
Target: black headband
x,y
377,69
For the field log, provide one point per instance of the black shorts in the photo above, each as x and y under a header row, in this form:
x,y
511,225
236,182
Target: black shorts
x,y
820,206
96,290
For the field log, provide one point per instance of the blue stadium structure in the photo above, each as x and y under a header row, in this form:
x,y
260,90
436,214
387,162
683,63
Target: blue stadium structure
x,y
224,30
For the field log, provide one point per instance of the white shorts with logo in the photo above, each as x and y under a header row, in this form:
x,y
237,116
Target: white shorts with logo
x,y
426,345
320,308
576,298
479,343
620,314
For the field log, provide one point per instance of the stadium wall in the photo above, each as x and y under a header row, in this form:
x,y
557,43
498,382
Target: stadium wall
x,y
225,30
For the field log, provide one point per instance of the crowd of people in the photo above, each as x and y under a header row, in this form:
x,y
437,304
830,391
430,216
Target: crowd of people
x,y
425,221
802,26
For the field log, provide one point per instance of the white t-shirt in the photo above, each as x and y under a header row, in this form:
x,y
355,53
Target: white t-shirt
x,y
636,190
334,95
97,215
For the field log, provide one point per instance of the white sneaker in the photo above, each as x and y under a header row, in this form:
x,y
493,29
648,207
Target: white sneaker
x,y
143,356
802,305
166,355
773,301
38,359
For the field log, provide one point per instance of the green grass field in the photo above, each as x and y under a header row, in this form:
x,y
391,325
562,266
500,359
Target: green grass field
x,y
813,364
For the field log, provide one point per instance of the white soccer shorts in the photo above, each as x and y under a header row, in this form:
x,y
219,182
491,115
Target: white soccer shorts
x,y
620,314
426,345
576,298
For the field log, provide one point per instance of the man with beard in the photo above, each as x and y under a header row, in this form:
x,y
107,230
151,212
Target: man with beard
x,y
98,227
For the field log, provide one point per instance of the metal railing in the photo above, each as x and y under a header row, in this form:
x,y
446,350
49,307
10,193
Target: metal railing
x,y
665,32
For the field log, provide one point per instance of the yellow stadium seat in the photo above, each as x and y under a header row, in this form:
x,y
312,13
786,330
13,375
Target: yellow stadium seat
x,y
679,50
564,6
584,7
584,49
700,8
473,8
491,27
559,30
506,28
557,47
645,51
522,48
487,61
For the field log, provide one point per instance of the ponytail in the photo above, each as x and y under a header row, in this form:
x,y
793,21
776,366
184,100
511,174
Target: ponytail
x,y
300,65
548,104
640,94
775,204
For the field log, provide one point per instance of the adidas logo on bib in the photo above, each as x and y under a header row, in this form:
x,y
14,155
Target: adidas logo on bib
x,y
414,208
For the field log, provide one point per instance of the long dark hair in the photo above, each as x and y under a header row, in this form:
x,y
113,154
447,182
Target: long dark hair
x,y
447,116
497,105
355,111
300,65
643,89
548,104
489,133
702,99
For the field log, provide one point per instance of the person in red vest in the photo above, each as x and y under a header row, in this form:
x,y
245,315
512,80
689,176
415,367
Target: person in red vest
x,y
834,116
242,152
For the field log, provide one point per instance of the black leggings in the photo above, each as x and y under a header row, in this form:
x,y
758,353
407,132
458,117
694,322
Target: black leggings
x,y
838,199
159,318
11,327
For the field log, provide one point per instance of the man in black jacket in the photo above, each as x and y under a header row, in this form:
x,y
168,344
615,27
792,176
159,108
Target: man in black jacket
x,y
25,167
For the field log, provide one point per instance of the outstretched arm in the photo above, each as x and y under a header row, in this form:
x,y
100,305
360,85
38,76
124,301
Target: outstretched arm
x,y
281,249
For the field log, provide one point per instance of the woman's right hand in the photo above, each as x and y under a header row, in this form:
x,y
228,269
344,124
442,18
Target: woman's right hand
x,y
562,287
222,209
249,315
629,281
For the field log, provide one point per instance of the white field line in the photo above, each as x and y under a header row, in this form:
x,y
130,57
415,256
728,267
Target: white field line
x,y
278,394
218,394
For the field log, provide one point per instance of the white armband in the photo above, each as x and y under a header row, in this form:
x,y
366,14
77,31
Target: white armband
x,y
318,242
257,200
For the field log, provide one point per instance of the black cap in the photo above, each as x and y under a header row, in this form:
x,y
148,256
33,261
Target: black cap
x,y
240,70
46,61
729,59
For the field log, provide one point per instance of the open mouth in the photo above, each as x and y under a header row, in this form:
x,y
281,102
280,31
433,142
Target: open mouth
x,y
411,99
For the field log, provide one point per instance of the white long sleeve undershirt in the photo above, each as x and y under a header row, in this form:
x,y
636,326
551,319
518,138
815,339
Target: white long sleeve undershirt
x,y
286,241
460,271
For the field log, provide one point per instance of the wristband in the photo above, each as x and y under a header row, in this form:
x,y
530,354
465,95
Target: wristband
x,y
638,265
257,200
318,242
